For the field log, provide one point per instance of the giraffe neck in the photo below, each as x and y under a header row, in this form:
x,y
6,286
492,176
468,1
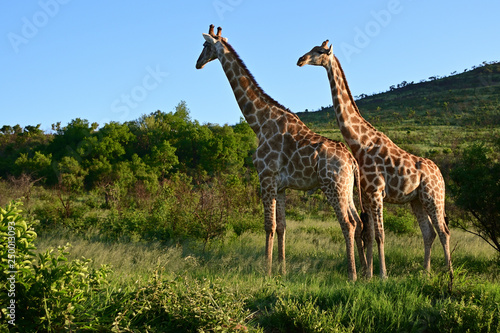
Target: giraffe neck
x,y
357,132
257,107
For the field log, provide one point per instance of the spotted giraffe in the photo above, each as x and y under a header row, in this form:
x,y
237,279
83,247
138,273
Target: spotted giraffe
x,y
388,173
289,155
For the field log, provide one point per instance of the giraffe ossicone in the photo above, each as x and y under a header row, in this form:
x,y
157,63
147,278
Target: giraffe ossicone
x,y
388,173
290,156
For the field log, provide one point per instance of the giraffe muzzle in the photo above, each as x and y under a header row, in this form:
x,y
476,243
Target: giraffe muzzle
x,y
302,61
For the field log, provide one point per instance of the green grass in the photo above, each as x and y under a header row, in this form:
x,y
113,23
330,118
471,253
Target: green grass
x,y
426,141
315,296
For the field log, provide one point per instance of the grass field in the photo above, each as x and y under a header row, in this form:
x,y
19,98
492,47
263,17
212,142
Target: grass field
x,y
182,287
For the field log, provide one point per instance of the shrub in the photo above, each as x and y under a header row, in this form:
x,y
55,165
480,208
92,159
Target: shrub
x,y
181,305
476,189
291,315
400,221
45,293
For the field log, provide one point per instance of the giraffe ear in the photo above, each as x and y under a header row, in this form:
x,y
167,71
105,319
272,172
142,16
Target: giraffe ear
x,y
330,50
209,38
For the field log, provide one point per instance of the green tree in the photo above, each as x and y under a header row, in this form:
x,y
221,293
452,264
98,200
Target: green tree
x,y
69,140
103,149
71,177
143,173
39,165
162,158
218,150
247,142
161,134
15,141
110,141
476,189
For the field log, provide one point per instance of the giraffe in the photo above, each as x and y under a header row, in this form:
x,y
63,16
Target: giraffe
x,y
289,155
388,173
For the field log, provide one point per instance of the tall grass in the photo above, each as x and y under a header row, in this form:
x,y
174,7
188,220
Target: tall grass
x,y
315,296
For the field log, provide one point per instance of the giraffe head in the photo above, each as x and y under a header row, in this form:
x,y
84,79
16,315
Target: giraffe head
x,y
318,56
212,42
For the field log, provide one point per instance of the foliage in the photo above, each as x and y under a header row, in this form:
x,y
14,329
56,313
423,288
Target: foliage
x,y
127,160
395,306
181,210
223,289
181,304
38,165
69,140
476,188
400,220
48,290
17,246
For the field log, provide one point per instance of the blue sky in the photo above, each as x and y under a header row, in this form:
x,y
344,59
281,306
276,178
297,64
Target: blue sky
x,y
117,60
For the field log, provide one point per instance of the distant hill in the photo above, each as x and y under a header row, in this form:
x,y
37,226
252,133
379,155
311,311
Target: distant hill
x,y
468,98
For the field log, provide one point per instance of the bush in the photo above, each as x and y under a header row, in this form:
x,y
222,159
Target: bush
x,y
181,305
45,293
400,221
476,189
181,210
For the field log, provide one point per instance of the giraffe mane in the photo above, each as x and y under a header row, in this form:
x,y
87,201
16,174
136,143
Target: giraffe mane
x,y
348,89
347,85
352,98
268,98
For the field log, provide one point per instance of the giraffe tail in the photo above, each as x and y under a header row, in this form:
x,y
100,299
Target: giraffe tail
x,y
364,215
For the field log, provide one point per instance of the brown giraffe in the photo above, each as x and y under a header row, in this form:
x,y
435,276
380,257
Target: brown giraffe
x,y
289,155
388,173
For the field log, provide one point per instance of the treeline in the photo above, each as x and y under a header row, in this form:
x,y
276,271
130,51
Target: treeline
x,y
159,177
430,79
82,156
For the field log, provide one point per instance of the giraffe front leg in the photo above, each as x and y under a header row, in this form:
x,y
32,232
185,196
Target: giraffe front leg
x,y
280,230
340,205
376,210
270,227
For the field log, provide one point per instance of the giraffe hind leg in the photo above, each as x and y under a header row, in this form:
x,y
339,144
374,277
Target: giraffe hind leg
x,y
437,217
427,231
348,229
